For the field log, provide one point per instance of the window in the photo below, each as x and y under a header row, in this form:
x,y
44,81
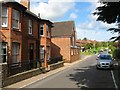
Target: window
x,y
72,52
15,19
47,29
4,17
73,41
48,53
31,52
15,52
3,52
30,27
41,29
42,52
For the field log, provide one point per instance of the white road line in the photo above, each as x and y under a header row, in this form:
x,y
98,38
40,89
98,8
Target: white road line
x,y
114,80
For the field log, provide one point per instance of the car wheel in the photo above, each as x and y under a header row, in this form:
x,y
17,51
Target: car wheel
x,y
112,68
97,68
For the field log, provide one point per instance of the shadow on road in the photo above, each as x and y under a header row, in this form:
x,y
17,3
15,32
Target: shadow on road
x,y
91,78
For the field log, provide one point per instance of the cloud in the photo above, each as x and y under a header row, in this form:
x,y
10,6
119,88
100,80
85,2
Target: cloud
x,y
93,25
73,15
100,35
52,10
92,29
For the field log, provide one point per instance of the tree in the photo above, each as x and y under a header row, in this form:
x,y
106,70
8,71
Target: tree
x,y
109,12
88,46
85,38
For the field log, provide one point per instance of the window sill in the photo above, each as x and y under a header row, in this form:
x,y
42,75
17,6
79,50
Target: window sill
x,y
30,34
15,29
48,37
42,35
4,26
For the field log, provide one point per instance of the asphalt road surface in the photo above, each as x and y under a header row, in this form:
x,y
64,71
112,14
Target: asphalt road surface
x,y
81,75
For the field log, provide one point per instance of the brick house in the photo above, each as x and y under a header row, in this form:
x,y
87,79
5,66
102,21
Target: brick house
x,y
21,35
44,35
45,39
20,38
64,41
11,33
30,37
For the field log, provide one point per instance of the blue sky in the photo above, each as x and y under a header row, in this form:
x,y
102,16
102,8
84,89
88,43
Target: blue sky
x,y
78,10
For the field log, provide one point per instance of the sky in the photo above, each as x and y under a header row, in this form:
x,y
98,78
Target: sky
x,y
80,11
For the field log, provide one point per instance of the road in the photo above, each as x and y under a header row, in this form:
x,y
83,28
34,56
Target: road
x,y
81,75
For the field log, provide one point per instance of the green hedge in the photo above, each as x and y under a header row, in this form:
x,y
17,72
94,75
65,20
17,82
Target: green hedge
x,y
116,54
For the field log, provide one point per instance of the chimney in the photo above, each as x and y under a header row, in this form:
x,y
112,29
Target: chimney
x,y
38,15
25,3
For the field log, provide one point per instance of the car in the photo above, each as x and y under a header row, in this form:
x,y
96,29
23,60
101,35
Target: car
x,y
104,61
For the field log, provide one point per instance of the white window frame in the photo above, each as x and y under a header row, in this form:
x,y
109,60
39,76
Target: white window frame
x,y
4,46
48,52
15,52
41,29
72,52
41,52
30,27
48,31
5,24
15,19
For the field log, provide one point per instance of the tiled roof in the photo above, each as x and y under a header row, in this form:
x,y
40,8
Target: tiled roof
x,y
15,4
63,28
83,42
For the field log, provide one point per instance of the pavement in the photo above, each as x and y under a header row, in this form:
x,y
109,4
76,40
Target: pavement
x,y
42,76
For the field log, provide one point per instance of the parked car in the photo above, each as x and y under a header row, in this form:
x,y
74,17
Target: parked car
x,y
104,61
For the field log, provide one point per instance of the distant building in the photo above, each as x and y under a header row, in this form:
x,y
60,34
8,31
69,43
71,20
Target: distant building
x,y
64,41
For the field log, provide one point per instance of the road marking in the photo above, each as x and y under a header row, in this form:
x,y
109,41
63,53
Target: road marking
x,y
113,77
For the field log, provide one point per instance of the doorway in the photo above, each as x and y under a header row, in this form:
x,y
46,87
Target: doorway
x,y
31,55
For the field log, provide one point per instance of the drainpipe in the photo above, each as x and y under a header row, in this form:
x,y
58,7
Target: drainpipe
x,y
38,41
0,32
10,32
45,46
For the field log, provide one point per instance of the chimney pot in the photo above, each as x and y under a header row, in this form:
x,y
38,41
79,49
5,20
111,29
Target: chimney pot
x,y
38,15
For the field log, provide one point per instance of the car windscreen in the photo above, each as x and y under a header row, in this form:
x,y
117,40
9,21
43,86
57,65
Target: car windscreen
x,y
105,57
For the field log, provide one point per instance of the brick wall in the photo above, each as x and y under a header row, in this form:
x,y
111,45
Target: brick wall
x,y
0,77
5,80
3,73
27,39
75,54
61,47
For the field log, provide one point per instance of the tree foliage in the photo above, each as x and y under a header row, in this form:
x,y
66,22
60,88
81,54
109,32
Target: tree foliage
x,y
116,54
85,38
88,46
109,12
